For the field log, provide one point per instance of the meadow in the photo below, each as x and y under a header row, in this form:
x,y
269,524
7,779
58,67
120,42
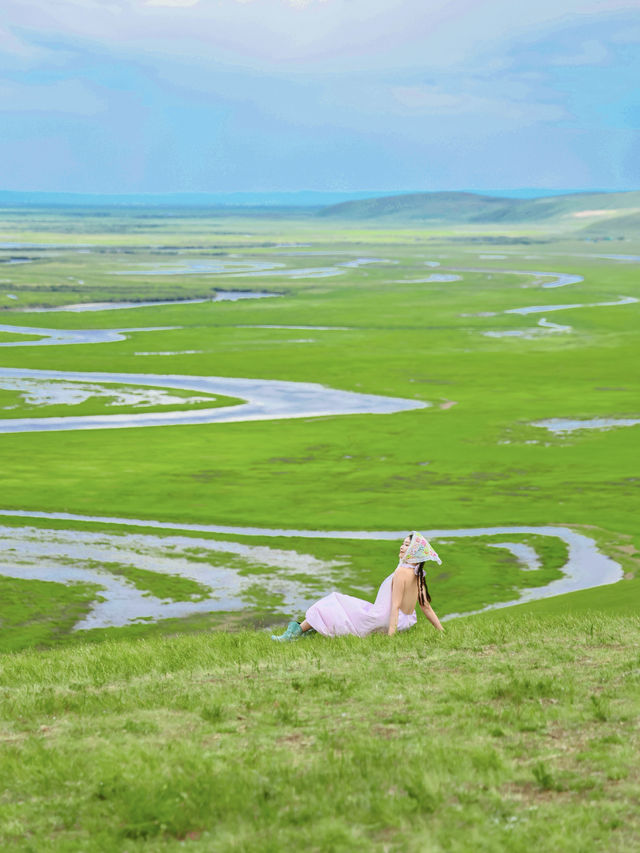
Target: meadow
x,y
506,733
515,728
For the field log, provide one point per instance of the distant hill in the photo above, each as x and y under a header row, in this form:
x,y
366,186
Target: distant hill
x,y
299,199
595,213
470,208
622,222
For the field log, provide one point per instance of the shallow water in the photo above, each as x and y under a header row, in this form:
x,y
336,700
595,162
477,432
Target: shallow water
x,y
632,258
64,337
586,566
172,352
202,267
564,425
249,269
541,309
524,554
361,262
227,570
295,273
554,327
628,258
544,327
430,279
267,399
559,279
18,245
221,296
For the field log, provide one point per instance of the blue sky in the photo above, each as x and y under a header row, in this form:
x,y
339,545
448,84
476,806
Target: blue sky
x,y
273,95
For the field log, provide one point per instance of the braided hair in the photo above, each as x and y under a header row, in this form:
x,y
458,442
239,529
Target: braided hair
x,y
423,589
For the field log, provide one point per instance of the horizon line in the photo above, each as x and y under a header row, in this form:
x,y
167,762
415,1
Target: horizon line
x,y
265,198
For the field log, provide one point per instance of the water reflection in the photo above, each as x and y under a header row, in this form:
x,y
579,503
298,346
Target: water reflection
x,y
220,296
540,309
267,399
64,337
227,568
560,426
202,267
558,279
225,571
544,327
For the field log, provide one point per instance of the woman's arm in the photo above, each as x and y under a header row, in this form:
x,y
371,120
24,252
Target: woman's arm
x,y
429,612
396,598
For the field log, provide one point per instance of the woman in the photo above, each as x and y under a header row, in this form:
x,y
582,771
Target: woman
x,y
393,610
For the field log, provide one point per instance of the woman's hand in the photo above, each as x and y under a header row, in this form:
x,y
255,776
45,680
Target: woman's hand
x,y
429,612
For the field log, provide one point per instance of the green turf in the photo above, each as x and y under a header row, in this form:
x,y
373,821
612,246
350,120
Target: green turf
x,y
10,337
505,733
39,613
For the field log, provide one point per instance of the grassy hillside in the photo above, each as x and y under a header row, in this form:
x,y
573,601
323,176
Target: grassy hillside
x,y
505,733
460,208
513,731
622,223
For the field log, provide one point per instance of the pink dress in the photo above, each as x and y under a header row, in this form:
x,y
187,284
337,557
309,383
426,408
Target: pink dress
x,y
337,614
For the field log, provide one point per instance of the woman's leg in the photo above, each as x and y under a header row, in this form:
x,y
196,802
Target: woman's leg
x,y
305,626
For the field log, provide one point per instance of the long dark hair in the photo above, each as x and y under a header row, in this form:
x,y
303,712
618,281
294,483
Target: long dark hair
x,y
423,589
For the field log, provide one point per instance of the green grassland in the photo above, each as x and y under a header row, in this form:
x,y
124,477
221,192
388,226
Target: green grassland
x,y
478,462
506,733
516,729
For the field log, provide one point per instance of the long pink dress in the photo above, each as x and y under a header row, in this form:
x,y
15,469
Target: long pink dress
x,y
337,614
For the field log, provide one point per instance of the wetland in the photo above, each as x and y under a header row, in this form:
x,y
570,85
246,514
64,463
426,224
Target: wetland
x,y
290,433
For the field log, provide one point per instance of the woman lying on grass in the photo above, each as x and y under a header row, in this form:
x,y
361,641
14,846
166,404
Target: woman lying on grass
x,y
394,607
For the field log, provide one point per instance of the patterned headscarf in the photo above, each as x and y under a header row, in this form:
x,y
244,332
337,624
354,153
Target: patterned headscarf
x,y
419,551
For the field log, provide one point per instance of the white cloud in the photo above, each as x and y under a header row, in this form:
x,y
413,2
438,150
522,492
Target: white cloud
x,y
308,34
177,3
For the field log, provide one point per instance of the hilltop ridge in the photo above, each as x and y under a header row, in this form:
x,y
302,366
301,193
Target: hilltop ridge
x,y
471,208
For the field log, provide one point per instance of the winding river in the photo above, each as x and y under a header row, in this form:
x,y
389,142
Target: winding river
x,y
70,555
66,556
267,399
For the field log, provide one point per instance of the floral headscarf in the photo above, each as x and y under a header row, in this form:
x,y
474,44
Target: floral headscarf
x,y
419,551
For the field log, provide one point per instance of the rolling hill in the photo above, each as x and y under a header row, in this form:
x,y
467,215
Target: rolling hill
x,y
581,209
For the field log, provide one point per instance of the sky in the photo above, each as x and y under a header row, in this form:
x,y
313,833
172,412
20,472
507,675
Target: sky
x,y
157,96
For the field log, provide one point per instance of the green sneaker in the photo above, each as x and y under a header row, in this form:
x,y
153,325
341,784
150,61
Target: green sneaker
x,y
292,633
